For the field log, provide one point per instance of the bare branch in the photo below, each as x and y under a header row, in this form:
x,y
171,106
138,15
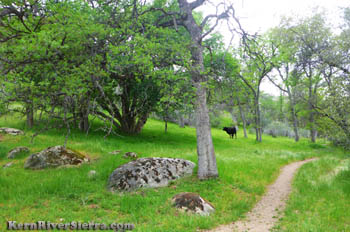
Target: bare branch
x,y
195,4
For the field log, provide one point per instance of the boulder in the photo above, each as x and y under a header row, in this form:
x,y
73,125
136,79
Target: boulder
x,y
132,155
149,173
14,152
54,157
192,203
11,131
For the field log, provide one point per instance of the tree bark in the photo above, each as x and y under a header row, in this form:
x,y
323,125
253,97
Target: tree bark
x,y
30,115
258,129
294,115
241,112
206,157
181,120
312,116
84,112
207,167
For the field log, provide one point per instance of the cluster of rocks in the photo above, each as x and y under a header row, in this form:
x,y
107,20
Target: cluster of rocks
x,y
126,155
159,172
11,131
139,173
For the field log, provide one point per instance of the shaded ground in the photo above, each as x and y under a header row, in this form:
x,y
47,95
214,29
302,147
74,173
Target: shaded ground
x,y
271,206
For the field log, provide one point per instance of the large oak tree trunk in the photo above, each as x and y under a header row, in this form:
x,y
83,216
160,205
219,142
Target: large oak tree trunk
x,y
206,157
205,149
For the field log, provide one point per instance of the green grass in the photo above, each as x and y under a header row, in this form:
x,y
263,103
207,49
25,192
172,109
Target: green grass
x,y
321,197
67,194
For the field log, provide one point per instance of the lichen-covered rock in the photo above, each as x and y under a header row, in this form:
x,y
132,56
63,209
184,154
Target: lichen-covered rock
x,y
132,155
148,172
192,203
14,152
11,131
54,157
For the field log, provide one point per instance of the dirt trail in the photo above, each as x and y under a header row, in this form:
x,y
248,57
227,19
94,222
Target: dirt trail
x,y
271,206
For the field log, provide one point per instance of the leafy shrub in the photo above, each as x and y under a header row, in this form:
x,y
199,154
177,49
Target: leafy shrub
x,y
276,129
340,140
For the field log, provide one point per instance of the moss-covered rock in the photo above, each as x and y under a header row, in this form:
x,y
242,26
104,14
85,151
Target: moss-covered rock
x,y
192,203
54,157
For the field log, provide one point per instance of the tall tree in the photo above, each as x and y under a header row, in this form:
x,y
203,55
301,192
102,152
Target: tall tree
x,y
207,167
286,68
258,58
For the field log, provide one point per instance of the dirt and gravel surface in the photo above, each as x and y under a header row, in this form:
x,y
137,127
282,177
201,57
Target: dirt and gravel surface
x,y
271,206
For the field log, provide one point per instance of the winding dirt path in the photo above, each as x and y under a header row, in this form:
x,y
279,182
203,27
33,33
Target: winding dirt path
x,y
271,206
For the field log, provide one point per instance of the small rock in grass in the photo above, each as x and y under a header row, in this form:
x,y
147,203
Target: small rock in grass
x,y
116,152
14,152
132,155
7,165
193,203
92,174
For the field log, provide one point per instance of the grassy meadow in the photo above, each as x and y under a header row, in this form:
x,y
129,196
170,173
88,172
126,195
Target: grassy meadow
x,y
320,200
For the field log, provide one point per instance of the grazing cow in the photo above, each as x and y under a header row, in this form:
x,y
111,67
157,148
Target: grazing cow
x,y
231,131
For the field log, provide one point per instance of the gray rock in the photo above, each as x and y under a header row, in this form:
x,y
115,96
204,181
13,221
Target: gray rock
x,y
132,155
148,172
11,131
116,152
54,157
14,152
92,174
7,165
192,203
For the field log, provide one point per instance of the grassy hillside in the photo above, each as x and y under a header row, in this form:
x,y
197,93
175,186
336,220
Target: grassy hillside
x,y
245,169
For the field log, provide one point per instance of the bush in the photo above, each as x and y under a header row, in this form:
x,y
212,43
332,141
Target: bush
x,y
283,129
340,140
279,129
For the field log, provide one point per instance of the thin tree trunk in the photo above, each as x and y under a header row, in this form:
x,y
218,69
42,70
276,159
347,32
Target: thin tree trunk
x,y
181,120
294,114
165,125
295,124
258,129
30,115
312,116
241,112
243,121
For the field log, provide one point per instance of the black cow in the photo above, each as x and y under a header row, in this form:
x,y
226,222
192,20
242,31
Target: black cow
x,y
231,131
